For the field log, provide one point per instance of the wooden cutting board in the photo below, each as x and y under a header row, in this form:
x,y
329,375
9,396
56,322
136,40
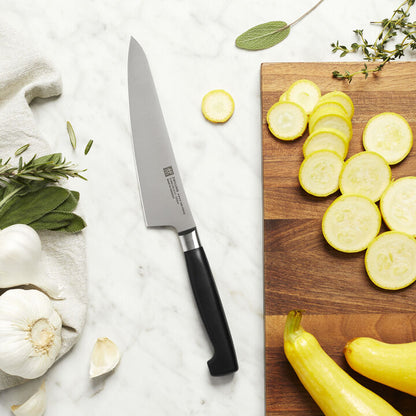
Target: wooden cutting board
x,y
301,271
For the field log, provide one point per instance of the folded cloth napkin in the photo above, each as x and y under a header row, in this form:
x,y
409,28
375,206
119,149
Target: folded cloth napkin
x,y
24,75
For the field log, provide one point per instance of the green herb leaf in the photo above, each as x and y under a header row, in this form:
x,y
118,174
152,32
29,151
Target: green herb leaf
x,y
88,147
20,150
70,203
28,193
32,206
263,36
380,51
268,34
76,224
59,221
71,134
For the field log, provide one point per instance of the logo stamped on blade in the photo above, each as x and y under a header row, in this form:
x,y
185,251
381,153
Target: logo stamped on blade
x,y
168,171
173,187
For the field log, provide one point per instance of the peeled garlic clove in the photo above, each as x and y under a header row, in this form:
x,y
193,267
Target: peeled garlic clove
x,y
34,405
30,333
104,358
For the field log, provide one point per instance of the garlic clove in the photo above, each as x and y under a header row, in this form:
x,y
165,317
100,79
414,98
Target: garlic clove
x,y
20,251
104,358
20,254
34,405
30,333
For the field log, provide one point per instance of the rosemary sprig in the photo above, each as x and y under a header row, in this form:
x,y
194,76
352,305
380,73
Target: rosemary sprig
x,y
398,25
29,194
44,170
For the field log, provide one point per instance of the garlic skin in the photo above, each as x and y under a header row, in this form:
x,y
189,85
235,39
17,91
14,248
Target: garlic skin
x,y
104,357
20,254
34,405
30,333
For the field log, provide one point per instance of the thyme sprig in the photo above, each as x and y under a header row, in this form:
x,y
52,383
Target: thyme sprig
x,y
393,29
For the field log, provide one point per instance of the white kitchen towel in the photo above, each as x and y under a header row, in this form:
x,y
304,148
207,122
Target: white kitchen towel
x,y
25,74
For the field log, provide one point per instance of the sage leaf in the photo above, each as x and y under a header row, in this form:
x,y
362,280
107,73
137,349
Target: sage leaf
x,y
70,203
76,224
32,206
52,221
268,34
59,221
263,36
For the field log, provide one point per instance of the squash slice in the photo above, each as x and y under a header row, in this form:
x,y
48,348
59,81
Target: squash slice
x,y
398,203
390,260
319,173
305,93
367,174
389,135
327,139
350,223
286,120
341,98
217,106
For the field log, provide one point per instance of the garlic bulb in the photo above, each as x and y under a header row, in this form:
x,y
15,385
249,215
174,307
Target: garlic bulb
x,y
34,405
30,333
20,253
104,358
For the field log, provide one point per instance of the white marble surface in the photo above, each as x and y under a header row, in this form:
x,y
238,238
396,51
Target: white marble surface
x,y
138,287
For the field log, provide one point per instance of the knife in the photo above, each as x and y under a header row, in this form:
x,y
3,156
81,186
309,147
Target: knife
x,y
165,205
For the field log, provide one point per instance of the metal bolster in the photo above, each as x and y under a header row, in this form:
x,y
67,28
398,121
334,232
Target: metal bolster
x,y
189,240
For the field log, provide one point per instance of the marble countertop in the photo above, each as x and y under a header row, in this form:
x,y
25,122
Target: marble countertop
x,y
139,291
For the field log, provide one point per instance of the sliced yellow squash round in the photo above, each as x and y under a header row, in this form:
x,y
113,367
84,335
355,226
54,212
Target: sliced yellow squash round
x,y
390,260
325,110
333,121
398,205
286,120
319,173
328,139
350,223
217,106
329,105
389,135
305,93
342,99
365,173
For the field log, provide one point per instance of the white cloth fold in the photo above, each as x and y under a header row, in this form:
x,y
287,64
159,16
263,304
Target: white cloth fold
x,y
25,74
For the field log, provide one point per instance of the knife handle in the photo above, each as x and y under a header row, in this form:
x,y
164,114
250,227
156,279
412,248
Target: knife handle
x,y
224,360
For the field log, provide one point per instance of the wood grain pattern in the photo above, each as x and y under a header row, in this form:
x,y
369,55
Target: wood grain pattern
x,y
300,269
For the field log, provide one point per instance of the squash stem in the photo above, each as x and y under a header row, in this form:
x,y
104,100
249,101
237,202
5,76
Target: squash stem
x,y
293,326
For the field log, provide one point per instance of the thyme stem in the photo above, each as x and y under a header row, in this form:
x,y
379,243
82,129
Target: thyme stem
x,y
396,25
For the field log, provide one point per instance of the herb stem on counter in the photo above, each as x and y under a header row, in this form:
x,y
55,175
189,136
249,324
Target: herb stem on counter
x,y
378,51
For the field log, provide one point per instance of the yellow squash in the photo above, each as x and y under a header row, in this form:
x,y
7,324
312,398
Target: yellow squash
x,y
391,364
334,391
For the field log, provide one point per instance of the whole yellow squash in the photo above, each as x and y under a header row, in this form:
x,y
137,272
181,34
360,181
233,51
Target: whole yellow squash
x,y
391,364
334,391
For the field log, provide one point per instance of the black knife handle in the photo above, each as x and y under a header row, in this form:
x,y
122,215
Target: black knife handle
x,y
224,360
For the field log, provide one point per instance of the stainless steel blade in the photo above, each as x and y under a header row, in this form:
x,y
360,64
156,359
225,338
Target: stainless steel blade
x,y
163,197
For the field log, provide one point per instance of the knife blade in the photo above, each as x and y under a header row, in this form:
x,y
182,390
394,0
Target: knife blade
x,y
165,205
